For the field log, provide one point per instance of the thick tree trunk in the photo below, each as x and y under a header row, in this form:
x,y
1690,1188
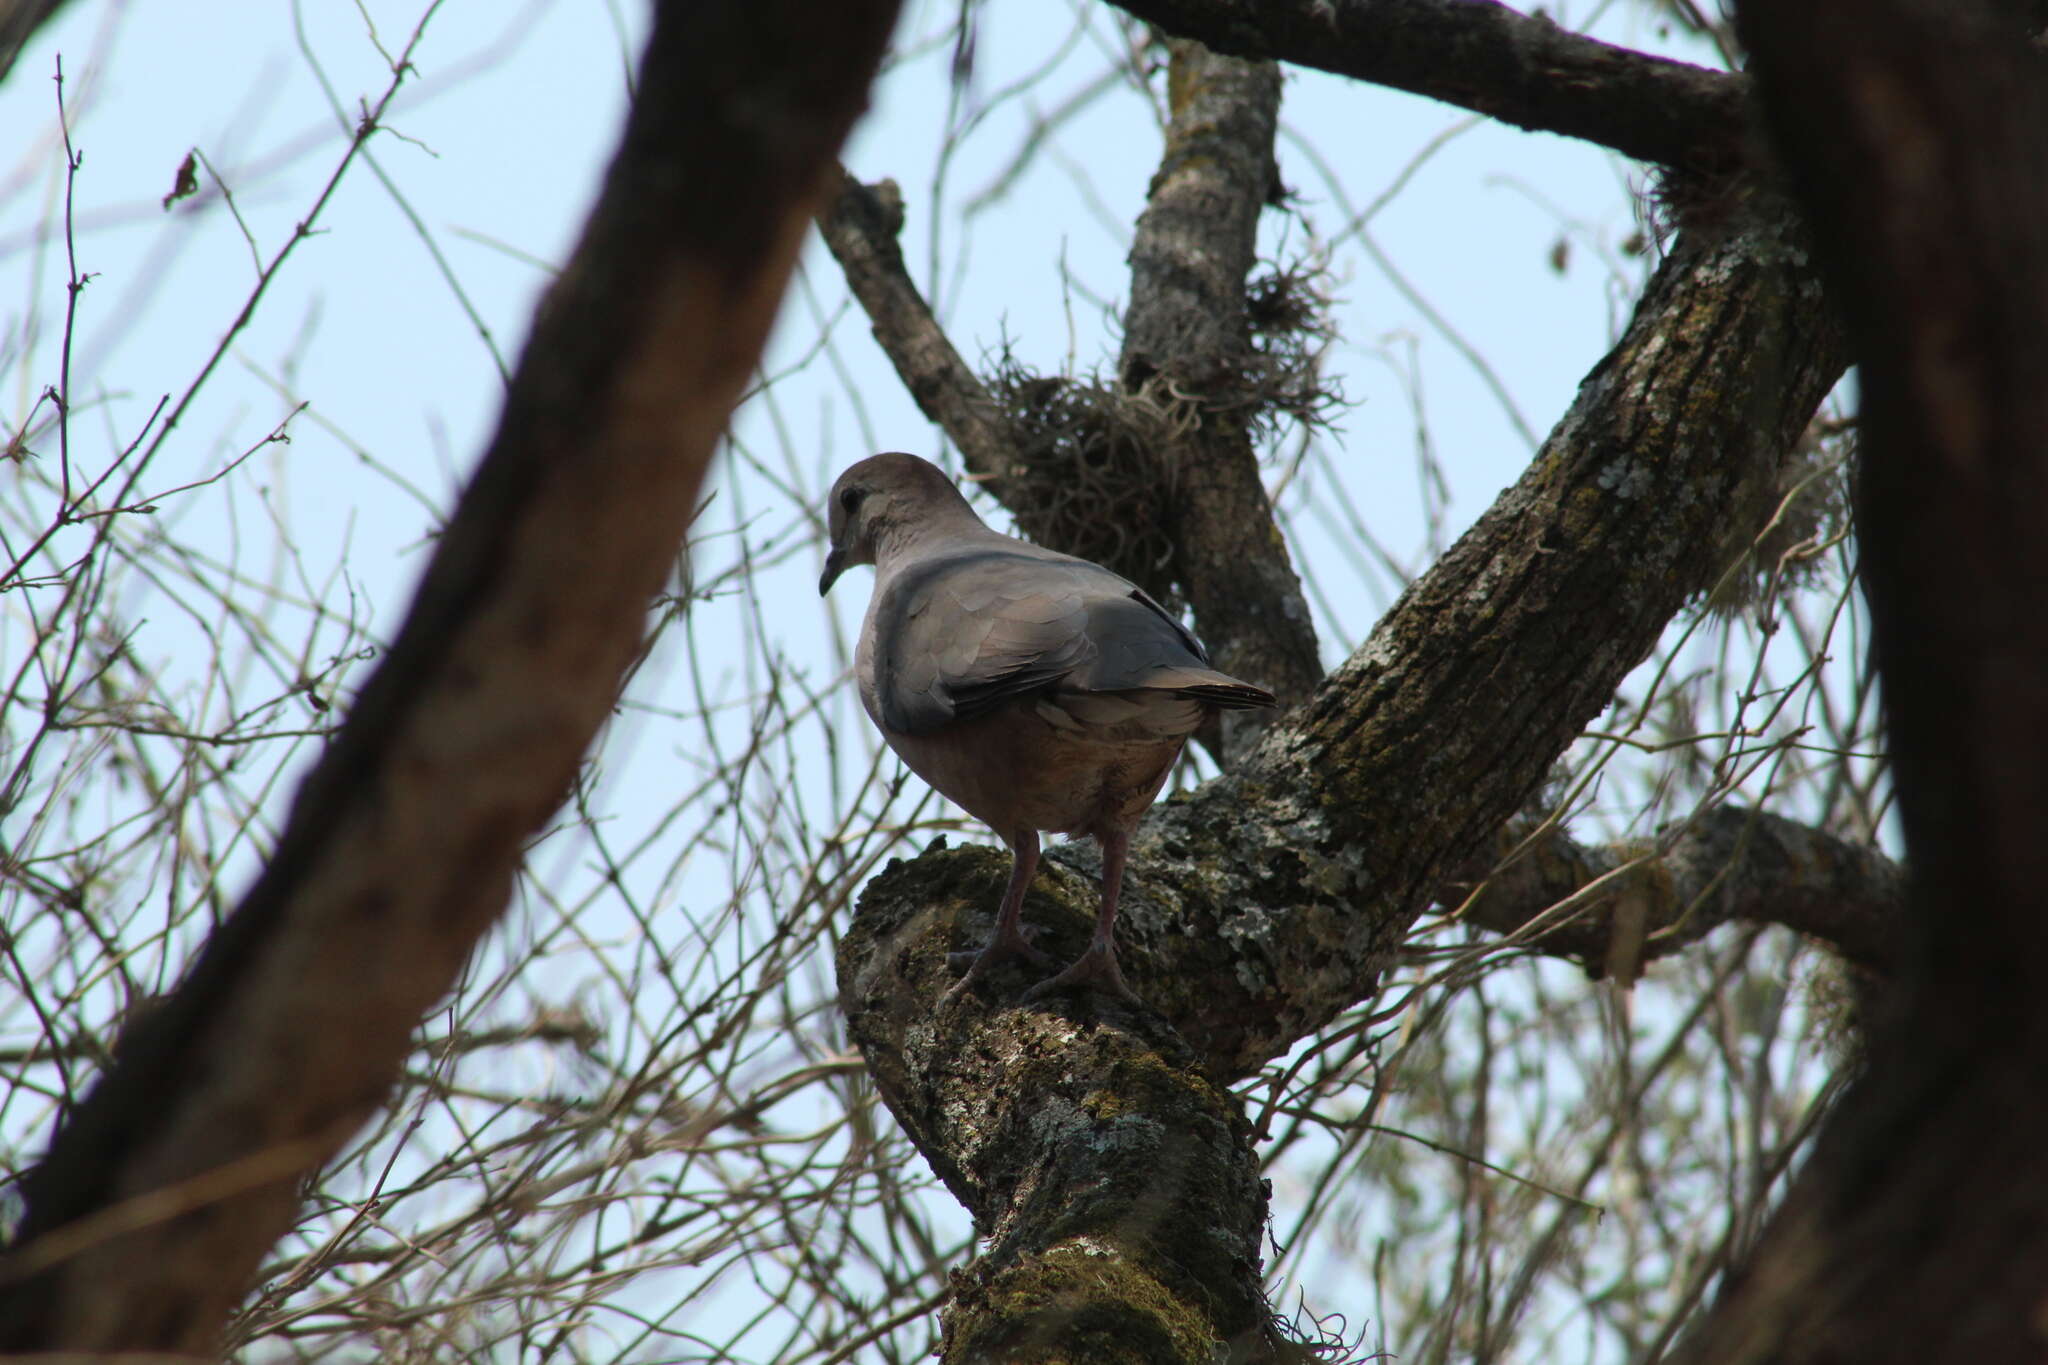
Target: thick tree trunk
x,y
1917,136
161,1192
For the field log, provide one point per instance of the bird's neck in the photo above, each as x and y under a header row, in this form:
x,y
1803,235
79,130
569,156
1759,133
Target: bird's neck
x,y
942,531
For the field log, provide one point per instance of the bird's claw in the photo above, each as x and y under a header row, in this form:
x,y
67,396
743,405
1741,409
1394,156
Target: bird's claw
x,y
975,965
1094,970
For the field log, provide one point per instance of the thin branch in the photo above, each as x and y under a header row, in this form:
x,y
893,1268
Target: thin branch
x,y
860,224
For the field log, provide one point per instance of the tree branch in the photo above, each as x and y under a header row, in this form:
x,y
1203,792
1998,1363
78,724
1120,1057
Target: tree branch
x,y
162,1190
1187,346
1730,863
1483,56
1299,872
860,224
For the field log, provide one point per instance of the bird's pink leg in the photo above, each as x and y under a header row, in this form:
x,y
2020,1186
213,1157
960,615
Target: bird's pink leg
x,y
1096,968
1008,941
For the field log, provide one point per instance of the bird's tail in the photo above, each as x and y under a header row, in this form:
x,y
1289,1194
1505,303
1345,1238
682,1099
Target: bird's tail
x,y
1217,689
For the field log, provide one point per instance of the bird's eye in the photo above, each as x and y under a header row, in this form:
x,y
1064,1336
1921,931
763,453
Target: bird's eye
x,y
850,499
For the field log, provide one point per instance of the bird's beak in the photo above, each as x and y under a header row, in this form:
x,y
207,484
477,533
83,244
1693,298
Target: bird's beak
x,y
835,565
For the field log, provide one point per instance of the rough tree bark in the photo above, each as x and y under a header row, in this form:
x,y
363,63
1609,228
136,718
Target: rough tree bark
x,y
1079,1133
1187,347
1914,135
1661,894
162,1190
1519,68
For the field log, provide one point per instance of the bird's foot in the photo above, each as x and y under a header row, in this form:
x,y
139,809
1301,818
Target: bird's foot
x,y
1094,970
1002,948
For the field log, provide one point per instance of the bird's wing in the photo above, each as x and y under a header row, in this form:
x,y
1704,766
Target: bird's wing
x,y
1139,645
957,636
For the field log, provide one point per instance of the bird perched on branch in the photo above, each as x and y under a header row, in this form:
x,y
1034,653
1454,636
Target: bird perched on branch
x,y
1034,690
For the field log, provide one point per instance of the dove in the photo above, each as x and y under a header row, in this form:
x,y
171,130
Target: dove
x,y
1035,691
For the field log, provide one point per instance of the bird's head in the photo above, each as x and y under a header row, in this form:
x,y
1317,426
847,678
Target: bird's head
x,y
882,504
